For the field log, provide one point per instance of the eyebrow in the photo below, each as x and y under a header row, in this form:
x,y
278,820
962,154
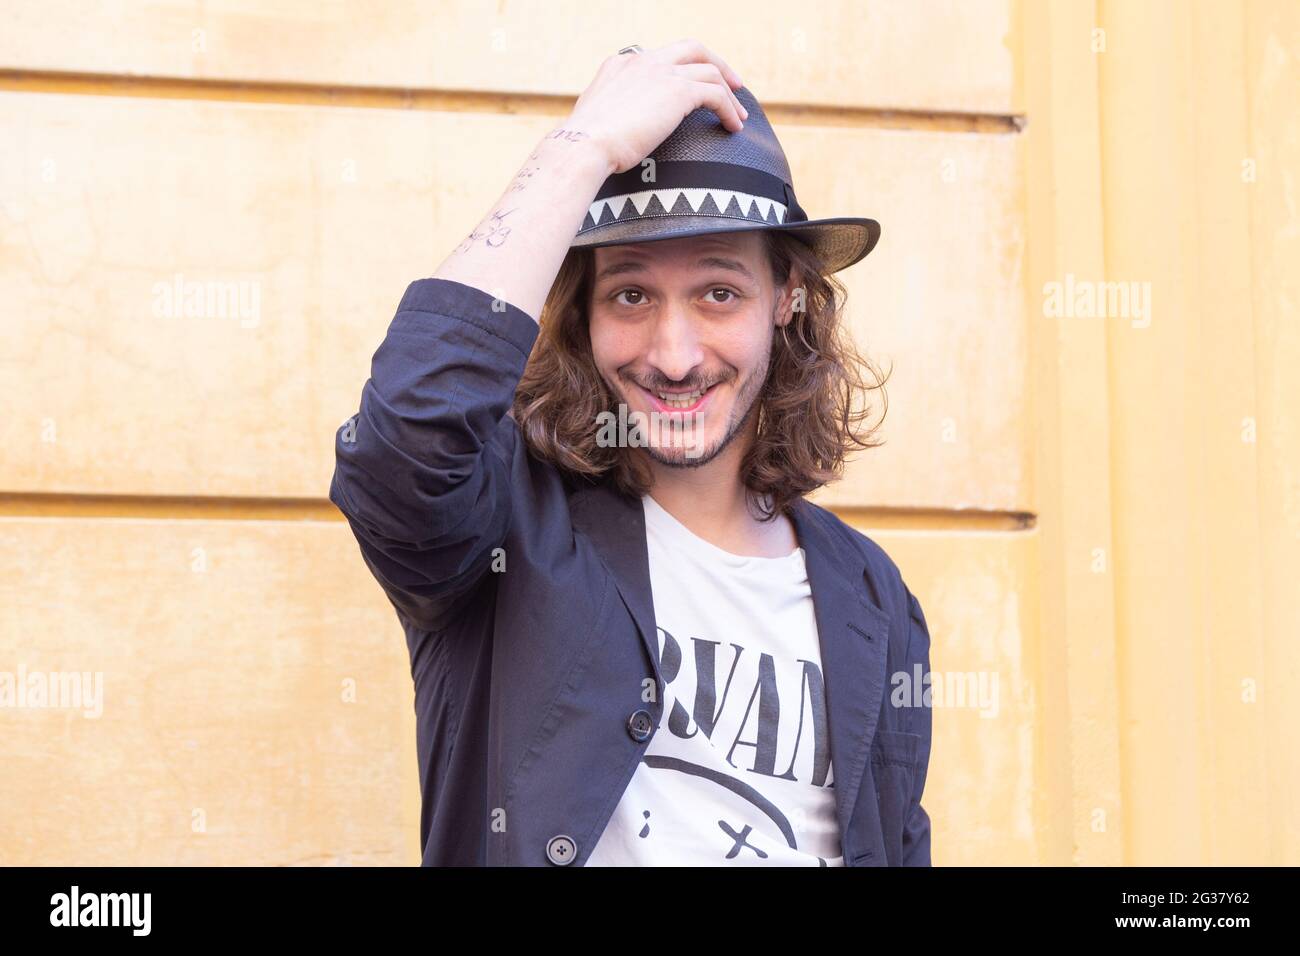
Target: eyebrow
x,y
708,262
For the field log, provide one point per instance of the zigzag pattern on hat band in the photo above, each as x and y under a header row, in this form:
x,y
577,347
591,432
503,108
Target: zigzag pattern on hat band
x,y
683,201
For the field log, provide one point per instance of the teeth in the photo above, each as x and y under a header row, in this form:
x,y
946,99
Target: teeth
x,y
681,401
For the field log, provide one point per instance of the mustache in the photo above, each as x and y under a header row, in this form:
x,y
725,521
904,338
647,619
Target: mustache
x,y
688,385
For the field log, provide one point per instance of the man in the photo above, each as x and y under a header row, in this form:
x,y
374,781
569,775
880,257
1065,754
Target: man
x,y
640,646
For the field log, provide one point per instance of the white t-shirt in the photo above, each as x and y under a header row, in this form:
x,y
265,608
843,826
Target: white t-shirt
x,y
738,772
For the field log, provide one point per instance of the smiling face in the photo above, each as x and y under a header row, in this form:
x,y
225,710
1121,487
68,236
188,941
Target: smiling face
x,y
681,331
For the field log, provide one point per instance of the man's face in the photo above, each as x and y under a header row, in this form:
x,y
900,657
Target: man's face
x,y
683,328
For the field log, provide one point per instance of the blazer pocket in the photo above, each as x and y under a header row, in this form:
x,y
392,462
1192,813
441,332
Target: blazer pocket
x,y
895,747
893,765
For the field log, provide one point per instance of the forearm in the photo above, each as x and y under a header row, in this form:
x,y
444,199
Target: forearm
x,y
516,251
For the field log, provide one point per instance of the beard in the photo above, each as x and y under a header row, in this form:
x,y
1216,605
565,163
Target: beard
x,y
747,403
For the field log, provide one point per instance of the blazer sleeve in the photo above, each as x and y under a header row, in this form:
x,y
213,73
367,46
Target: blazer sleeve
x,y
422,470
916,829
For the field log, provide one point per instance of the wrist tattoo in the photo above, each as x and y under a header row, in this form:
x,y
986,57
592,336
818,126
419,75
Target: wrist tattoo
x,y
568,135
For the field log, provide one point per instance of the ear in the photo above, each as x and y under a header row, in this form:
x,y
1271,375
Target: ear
x,y
791,296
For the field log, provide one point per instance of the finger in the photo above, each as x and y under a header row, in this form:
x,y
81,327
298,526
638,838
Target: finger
x,y
708,73
693,51
716,97
696,52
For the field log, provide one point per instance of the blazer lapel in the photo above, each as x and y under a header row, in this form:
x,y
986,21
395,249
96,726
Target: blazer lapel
x,y
615,524
854,636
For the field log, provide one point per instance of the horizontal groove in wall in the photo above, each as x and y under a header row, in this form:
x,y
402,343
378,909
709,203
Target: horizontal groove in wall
x,y
465,101
56,505
936,519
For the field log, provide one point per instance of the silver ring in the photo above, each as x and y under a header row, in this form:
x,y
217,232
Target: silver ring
x,y
634,48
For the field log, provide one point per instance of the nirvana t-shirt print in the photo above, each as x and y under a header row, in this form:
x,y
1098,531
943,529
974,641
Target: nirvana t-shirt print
x,y
739,772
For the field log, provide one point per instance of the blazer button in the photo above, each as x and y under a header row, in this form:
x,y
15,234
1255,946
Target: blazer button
x,y
639,725
561,850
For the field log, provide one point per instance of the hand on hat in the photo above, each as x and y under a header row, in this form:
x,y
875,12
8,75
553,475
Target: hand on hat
x,y
637,99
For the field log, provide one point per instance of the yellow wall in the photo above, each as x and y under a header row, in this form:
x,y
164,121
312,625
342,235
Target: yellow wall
x,y
1100,513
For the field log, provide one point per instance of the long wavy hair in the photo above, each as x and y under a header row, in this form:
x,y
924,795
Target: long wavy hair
x,y
812,412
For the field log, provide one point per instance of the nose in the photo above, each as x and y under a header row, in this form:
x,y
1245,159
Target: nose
x,y
675,346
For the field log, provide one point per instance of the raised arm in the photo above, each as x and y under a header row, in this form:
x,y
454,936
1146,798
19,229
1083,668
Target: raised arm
x,y
423,470
630,107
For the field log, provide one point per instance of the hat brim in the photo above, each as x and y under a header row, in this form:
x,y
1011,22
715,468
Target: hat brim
x,y
839,243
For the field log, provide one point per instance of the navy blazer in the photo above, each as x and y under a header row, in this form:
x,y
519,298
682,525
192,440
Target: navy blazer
x,y
525,597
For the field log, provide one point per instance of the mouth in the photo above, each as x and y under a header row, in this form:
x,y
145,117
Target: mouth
x,y
677,403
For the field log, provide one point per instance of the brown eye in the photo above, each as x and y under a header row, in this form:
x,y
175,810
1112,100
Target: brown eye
x,y
721,289
627,292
